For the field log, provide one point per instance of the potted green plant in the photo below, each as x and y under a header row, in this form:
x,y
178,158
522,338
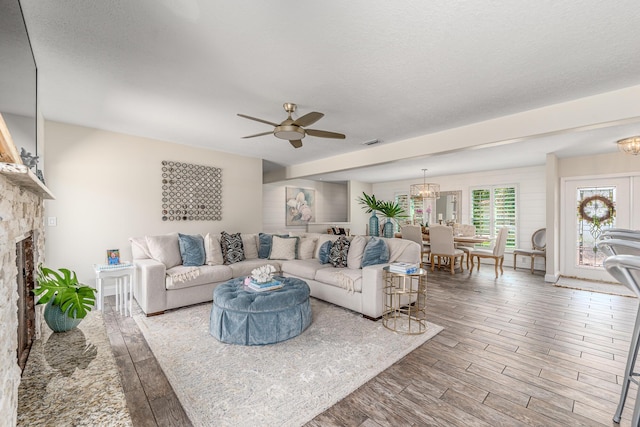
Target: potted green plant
x,y
392,211
67,301
371,205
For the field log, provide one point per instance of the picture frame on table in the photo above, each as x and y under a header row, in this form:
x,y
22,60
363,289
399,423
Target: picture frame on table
x,y
113,256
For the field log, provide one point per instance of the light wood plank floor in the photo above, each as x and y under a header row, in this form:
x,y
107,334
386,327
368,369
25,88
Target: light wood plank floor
x,y
515,351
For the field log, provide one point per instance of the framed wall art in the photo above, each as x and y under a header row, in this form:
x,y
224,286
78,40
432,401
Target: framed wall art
x,y
300,205
191,192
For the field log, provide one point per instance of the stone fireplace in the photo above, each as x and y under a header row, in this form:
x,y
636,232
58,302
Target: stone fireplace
x,y
21,241
25,261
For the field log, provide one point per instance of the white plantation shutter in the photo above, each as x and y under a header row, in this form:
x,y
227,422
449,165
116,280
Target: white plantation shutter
x,y
493,208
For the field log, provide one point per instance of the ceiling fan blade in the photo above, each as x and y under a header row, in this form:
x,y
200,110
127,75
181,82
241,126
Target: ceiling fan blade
x,y
258,120
258,134
324,134
297,143
308,119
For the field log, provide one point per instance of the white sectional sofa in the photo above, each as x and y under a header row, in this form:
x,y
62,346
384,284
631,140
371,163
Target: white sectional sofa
x,y
163,283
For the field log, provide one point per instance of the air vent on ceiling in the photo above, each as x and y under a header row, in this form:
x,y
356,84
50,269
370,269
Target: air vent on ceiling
x,y
372,142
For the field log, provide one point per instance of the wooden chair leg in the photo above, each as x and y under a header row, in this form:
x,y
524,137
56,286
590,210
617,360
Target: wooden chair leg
x,y
532,259
501,262
496,268
433,257
478,259
515,258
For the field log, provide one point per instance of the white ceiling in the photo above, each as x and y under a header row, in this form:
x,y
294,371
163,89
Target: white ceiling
x,y
180,71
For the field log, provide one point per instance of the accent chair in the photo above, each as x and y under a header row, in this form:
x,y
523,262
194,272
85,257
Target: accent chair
x,y
538,248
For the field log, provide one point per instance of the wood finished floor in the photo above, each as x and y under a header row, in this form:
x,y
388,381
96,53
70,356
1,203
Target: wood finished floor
x,y
515,351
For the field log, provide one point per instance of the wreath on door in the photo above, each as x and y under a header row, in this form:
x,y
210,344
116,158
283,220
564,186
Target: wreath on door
x,y
597,209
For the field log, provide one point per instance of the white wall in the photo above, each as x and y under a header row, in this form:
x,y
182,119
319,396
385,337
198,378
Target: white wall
x,y
359,218
331,204
108,188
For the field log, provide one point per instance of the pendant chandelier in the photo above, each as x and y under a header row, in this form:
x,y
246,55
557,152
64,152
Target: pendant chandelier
x,y
426,190
630,145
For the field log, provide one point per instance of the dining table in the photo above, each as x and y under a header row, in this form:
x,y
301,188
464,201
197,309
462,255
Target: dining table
x,y
456,239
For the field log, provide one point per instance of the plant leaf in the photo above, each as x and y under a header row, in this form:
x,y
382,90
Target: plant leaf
x,y
66,292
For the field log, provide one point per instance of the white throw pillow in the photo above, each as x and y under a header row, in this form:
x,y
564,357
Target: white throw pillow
x,y
356,250
250,245
212,249
306,247
283,248
139,248
165,249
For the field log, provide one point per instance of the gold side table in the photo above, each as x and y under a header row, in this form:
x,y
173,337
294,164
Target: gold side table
x,y
404,300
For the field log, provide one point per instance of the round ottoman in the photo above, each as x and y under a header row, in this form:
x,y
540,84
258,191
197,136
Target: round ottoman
x,y
243,316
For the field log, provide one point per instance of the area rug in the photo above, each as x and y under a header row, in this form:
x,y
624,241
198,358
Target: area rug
x,y
283,384
594,286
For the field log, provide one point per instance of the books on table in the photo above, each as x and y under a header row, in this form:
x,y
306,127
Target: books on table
x,y
404,267
262,287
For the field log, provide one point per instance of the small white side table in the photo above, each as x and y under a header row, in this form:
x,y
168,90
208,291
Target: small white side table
x,y
124,276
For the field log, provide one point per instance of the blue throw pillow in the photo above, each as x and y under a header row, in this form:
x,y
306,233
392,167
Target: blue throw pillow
x,y
325,250
376,252
191,249
264,245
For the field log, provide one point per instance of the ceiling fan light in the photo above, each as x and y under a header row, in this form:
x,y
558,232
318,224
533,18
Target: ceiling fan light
x,y
289,132
629,145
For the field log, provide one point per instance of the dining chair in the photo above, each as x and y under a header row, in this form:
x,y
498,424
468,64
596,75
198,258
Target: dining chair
x,y
496,253
538,248
442,246
467,230
414,233
626,269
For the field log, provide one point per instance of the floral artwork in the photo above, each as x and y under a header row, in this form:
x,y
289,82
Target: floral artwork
x,y
300,206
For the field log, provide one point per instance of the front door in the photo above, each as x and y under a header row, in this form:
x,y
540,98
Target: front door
x,y
590,207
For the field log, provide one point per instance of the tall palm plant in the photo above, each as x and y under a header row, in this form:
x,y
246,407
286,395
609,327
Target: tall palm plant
x,y
392,211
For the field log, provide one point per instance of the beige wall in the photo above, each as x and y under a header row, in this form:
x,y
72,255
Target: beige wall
x,y
108,188
612,163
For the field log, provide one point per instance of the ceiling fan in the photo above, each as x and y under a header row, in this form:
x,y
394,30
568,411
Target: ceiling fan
x,y
294,130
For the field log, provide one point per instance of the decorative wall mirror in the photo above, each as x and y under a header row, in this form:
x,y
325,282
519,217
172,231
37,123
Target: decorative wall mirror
x,y
17,79
449,207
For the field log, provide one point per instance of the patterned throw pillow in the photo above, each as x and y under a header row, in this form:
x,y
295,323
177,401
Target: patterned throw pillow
x,y
232,250
339,252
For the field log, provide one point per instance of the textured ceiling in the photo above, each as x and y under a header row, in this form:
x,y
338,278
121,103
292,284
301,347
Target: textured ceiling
x,y
180,70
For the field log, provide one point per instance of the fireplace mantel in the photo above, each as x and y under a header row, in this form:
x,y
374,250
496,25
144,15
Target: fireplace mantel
x,y
22,176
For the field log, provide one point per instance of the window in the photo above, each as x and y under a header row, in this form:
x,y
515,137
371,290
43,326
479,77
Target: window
x,y
493,208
